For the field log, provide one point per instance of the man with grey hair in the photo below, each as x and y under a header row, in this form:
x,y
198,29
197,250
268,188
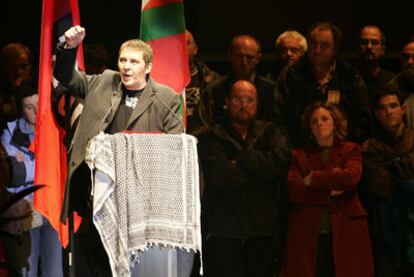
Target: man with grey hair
x,y
291,46
113,102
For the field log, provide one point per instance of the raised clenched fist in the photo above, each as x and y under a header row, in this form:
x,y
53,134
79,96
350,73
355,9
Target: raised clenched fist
x,y
74,36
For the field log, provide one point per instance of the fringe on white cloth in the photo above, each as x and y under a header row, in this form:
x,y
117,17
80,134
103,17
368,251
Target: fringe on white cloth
x,y
145,192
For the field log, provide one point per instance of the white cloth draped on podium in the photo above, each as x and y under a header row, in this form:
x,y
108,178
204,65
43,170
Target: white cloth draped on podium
x,y
145,193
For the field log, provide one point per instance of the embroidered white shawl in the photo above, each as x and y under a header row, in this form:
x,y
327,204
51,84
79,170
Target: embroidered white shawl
x,y
146,192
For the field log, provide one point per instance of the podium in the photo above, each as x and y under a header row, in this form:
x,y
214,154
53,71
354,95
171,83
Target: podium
x,y
146,198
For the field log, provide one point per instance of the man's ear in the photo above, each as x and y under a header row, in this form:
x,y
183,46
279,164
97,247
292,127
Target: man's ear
x,y
148,68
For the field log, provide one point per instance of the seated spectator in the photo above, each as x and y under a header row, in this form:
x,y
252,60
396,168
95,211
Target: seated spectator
x,y
327,233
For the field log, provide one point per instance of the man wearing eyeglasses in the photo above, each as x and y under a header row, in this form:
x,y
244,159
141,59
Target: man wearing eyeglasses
x,y
244,161
370,49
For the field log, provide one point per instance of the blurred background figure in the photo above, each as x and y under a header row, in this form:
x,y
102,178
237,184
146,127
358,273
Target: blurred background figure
x,y
96,58
404,82
15,66
201,75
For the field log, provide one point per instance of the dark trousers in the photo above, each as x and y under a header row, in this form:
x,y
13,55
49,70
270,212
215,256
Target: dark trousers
x,y
238,257
90,258
325,266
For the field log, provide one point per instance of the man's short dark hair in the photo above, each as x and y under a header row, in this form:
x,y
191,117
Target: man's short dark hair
x,y
26,89
383,39
385,91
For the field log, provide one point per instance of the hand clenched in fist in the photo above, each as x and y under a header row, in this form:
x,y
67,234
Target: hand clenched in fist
x,y
74,36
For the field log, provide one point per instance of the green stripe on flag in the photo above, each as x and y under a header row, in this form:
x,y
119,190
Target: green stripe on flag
x,y
162,21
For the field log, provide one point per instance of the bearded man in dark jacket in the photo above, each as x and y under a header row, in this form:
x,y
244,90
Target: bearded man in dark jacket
x,y
244,161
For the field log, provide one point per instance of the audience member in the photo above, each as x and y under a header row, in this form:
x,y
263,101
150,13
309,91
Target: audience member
x,y
371,49
244,161
327,233
322,76
389,180
244,55
201,75
291,45
16,66
404,81
33,246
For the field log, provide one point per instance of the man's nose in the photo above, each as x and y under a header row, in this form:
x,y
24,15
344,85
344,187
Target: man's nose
x,y
127,64
389,110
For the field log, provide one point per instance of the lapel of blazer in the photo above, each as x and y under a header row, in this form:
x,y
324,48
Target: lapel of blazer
x,y
145,100
116,98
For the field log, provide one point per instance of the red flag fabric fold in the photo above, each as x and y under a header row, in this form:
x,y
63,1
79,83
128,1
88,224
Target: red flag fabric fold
x,y
50,151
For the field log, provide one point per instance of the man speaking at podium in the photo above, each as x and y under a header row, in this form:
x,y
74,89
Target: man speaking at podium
x,y
113,102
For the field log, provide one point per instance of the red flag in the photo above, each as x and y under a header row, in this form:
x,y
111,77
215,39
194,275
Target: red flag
x,y
50,152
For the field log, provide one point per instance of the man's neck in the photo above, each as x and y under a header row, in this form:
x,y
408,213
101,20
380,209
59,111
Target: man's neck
x,y
321,71
249,77
397,131
370,68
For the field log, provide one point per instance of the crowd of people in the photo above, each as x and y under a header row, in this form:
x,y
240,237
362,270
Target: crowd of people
x,y
307,170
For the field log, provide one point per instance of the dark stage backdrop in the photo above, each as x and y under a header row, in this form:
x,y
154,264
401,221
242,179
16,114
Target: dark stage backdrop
x,y
214,22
